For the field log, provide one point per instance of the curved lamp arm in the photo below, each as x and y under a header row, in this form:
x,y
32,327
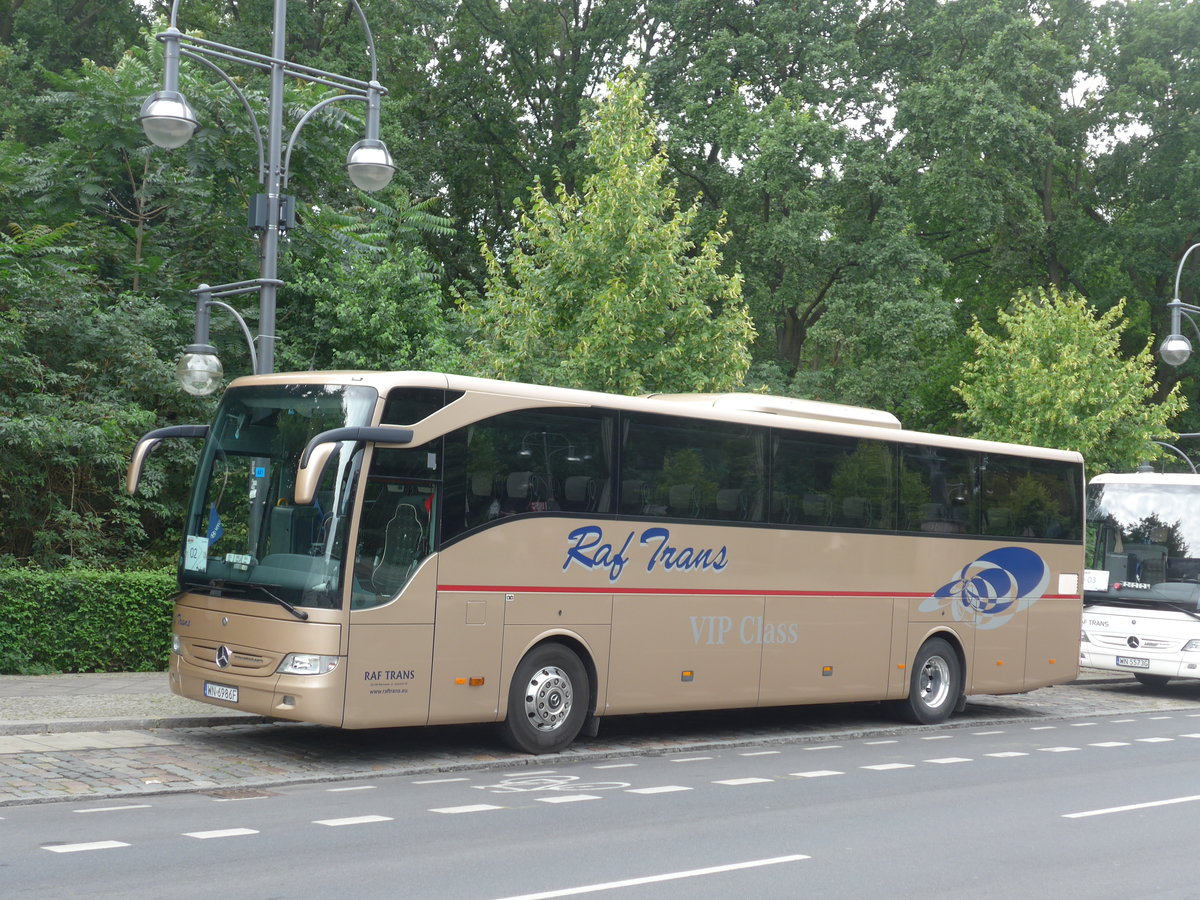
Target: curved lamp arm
x,y
1175,348
262,155
291,141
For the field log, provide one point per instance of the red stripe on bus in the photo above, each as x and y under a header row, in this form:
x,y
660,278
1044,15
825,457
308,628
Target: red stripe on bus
x,y
489,588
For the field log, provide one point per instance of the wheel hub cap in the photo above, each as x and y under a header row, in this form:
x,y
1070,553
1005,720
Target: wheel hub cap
x,y
548,698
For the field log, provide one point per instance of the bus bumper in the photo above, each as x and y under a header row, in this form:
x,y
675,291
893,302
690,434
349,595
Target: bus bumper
x,y
1137,663
303,698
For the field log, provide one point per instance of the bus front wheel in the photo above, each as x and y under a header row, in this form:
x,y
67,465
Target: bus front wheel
x,y
547,701
934,685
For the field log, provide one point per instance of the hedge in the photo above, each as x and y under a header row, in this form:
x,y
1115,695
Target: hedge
x,y
82,620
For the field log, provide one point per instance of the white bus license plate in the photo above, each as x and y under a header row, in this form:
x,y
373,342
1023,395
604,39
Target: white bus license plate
x,y
1133,662
229,694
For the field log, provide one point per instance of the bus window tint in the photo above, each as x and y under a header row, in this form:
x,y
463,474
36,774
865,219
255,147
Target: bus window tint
x,y
410,405
1025,498
529,461
938,490
828,480
396,531
692,469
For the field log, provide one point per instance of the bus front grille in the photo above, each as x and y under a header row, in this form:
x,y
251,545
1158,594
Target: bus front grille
x,y
231,658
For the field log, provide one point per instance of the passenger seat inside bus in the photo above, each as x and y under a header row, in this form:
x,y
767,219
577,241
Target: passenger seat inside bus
x,y
403,537
579,493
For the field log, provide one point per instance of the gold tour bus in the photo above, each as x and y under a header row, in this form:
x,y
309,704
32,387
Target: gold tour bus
x,y
411,548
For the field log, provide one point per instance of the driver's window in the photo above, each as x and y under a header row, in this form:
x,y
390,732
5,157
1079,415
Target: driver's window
x,y
396,527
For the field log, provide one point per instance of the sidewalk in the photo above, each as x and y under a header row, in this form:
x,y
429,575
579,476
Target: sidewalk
x,y
57,704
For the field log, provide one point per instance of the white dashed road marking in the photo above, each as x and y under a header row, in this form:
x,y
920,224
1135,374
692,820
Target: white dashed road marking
x,y
223,833
737,782
76,848
665,789
353,820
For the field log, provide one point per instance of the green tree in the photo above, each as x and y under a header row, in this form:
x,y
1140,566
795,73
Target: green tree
x,y
80,372
500,102
780,112
371,300
607,289
1057,378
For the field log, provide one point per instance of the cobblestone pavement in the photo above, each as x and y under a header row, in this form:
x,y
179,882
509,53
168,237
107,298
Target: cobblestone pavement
x,y
232,754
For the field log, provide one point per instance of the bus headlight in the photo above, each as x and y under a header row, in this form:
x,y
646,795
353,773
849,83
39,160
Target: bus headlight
x,y
307,664
1083,638
176,645
1192,646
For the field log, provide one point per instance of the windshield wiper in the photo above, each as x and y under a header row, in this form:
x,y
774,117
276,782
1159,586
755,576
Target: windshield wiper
x,y
262,588
219,587
1182,609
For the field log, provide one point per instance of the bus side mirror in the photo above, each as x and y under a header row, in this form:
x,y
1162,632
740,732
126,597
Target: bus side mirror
x,y
316,455
308,476
146,444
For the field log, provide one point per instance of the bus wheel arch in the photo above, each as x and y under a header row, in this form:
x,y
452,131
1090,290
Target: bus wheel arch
x,y
936,682
550,697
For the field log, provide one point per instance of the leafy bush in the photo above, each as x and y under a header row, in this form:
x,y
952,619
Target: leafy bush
x,y
84,621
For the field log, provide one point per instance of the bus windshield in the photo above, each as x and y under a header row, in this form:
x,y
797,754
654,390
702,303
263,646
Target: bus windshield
x,y
245,537
1144,544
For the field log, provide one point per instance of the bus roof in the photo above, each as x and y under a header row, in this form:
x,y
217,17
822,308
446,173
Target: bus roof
x,y
755,409
787,406
1147,478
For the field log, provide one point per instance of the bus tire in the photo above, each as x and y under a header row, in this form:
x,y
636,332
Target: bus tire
x,y
1151,681
547,701
935,685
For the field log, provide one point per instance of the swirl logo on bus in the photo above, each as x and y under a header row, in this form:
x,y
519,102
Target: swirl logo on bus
x,y
993,588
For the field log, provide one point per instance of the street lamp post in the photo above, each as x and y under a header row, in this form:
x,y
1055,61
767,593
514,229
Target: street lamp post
x,y
169,122
1176,348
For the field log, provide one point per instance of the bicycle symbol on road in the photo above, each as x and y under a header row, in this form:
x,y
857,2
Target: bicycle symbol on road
x,y
531,783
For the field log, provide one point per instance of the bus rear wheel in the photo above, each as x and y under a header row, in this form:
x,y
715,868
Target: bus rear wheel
x,y
547,701
934,685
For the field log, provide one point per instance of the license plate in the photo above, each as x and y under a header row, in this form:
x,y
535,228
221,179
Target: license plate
x,y
1133,662
227,692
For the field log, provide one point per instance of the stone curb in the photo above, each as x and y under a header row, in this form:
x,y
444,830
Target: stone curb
x,y
127,723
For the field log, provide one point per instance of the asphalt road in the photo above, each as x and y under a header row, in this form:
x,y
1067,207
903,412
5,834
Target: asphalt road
x,y
1032,806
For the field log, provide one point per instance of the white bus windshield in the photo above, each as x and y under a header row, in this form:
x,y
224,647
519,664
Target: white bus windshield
x,y
245,537
1144,544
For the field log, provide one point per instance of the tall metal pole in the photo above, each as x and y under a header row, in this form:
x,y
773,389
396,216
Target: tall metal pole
x,y
274,175
169,122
